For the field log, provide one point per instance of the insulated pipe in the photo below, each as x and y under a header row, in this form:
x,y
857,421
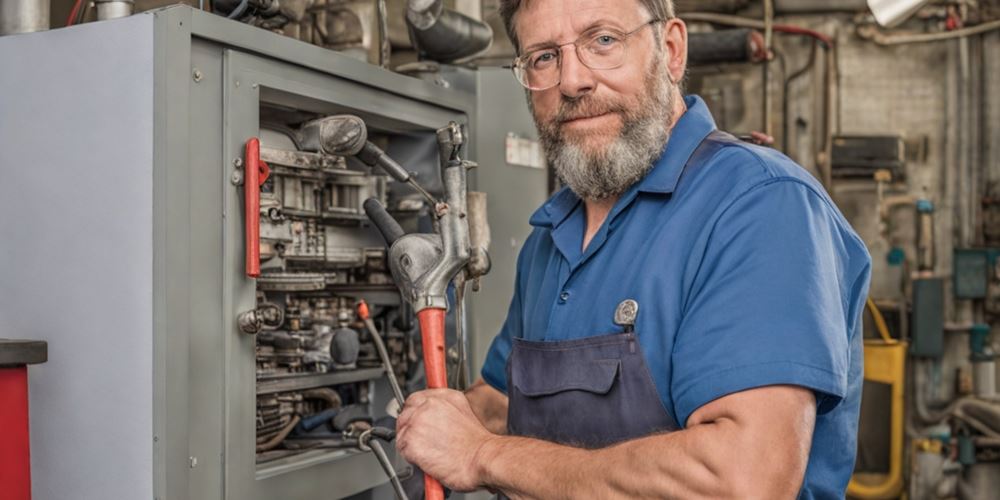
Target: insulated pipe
x,y
738,45
23,16
445,35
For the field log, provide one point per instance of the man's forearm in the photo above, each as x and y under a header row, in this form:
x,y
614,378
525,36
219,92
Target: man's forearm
x,y
682,464
753,444
489,405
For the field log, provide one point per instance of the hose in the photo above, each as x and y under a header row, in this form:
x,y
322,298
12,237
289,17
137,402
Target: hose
x,y
365,442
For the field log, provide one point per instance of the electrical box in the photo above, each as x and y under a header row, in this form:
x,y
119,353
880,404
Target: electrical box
x,y
126,251
927,319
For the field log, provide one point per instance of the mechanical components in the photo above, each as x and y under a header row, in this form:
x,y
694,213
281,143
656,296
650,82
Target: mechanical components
x,y
303,212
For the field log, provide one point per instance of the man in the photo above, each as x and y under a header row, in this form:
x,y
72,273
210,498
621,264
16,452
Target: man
x,y
736,371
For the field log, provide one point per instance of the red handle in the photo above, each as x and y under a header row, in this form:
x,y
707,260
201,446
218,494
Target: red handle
x,y
256,173
432,339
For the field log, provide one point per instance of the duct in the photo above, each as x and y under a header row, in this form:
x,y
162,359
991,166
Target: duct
x,y
445,35
23,16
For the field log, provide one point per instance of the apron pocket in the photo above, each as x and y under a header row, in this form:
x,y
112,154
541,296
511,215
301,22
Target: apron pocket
x,y
558,375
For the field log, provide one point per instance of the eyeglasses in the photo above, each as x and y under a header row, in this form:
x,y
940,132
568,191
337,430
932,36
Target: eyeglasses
x,y
604,48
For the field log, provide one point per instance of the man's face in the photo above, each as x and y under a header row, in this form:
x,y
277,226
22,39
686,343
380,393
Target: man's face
x,y
601,129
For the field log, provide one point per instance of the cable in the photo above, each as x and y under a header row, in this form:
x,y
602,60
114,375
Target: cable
x,y
382,353
71,19
872,33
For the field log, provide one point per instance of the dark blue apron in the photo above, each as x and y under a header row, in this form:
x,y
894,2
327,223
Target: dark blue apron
x,y
595,391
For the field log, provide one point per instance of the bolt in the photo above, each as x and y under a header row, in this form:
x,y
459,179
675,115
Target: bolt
x,y
236,178
254,86
193,461
237,83
197,75
238,162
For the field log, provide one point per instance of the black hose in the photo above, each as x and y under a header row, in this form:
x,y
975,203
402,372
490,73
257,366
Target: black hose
x,y
390,229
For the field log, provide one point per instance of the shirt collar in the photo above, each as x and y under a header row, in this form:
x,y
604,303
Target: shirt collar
x,y
691,129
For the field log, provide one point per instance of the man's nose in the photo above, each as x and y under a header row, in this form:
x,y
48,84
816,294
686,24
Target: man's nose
x,y
576,79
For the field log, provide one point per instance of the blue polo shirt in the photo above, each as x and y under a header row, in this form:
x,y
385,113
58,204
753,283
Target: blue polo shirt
x,y
746,275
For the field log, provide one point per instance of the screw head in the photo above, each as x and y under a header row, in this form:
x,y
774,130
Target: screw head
x,y
236,178
197,75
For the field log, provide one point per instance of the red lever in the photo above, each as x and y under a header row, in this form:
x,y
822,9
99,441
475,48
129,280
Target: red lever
x,y
256,173
432,339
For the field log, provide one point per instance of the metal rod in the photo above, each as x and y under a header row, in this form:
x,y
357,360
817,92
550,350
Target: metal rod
x,y
383,34
461,336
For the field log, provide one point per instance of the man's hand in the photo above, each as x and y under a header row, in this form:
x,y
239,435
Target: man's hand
x,y
438,432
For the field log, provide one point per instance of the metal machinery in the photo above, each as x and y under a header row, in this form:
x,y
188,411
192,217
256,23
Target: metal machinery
x,y
174,374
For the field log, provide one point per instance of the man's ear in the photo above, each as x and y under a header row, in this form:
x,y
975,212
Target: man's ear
x,y
675,39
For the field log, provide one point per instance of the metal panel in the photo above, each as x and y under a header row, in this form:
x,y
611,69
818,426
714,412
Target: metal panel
x,y
77,158
513,191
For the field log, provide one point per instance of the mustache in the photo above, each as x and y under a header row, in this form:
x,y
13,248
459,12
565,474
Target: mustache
x,y
587,107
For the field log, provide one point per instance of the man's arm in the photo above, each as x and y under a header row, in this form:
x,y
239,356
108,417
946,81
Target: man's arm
x,y
489,405
750,444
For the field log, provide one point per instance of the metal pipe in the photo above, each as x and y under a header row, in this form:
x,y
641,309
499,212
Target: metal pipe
x,y
23,16
768,44
818,6
113,9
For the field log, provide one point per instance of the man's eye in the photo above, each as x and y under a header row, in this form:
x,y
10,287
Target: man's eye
x,y
543,60
606,40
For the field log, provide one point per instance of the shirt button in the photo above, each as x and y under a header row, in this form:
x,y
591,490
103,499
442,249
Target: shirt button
x,y
563,297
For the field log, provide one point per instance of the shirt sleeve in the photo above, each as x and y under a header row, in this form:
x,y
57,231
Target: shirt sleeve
x,y
771,302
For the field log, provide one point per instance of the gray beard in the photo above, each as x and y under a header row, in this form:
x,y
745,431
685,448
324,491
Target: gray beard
x,y
611,172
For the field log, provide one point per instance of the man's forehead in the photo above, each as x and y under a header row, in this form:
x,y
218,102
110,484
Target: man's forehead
x,y
545,21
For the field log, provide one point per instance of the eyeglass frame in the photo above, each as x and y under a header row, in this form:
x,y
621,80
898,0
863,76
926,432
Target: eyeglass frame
x,y
576,48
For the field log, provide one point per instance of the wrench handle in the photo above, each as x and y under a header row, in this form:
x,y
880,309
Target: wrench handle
x,y
256,172
432,339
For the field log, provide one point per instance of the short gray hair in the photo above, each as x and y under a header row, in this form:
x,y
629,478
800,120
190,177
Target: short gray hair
x,y
659,9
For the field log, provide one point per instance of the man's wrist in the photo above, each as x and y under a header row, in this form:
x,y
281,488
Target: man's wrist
x,y
487,457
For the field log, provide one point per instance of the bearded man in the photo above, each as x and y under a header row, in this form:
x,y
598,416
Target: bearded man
x,y
686,315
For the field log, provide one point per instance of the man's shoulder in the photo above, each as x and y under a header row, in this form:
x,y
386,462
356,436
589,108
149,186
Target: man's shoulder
x,y
741,165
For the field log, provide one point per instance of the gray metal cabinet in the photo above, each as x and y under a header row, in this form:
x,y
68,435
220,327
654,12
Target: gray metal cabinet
x,y
123,245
